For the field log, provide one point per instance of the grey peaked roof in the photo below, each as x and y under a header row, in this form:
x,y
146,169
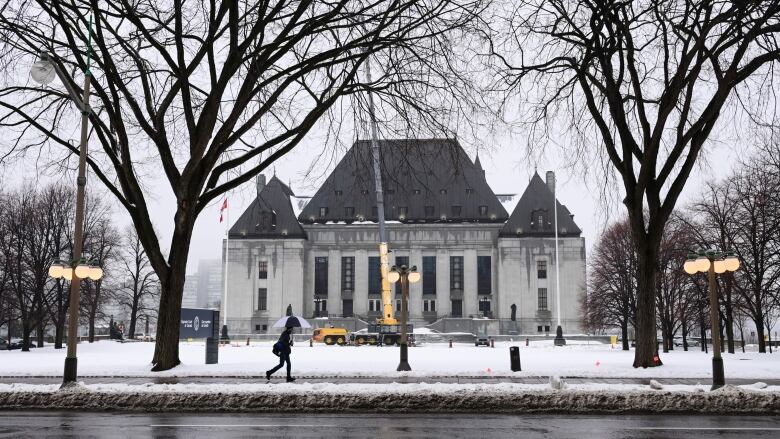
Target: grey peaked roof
x,y
414,174
272,204
538,199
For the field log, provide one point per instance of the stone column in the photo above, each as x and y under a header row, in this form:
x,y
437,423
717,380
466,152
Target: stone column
x,y
470,300
360,295
334,282
443,304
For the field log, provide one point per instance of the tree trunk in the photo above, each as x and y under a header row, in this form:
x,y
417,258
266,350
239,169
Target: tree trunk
x,y
760,332
26,330
646,334
166,348
133,316
742,338
624,334
684,329
58,330
729,313
91,329
39,332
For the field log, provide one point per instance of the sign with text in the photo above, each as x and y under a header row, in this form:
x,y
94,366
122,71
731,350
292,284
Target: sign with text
x,y
198,323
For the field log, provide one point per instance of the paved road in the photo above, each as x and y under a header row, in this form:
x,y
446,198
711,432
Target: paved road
x,y
375,380
191,426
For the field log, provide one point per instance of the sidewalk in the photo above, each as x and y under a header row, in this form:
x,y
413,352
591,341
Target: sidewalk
x,y
303,379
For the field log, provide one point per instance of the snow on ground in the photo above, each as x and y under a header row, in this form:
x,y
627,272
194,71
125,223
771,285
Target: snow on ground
x,y
108,358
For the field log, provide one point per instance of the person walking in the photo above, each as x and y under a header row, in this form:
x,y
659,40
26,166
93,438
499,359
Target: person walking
x,y
283,346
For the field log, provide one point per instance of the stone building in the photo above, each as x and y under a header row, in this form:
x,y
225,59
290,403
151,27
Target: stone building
x,y
483,269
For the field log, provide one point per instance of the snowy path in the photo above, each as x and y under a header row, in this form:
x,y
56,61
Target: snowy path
x,y
540,359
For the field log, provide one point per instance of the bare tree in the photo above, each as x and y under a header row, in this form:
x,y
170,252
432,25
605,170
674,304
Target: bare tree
x,y
102,244
643,84
139,286
755,192
212,93
612,280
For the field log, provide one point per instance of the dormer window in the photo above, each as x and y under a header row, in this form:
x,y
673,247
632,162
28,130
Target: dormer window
x,y
482,210
364,191
349,212
539,220
456,211
469,190
323,212
339,193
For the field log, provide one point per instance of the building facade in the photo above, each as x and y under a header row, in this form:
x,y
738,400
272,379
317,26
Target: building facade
x,y
477,260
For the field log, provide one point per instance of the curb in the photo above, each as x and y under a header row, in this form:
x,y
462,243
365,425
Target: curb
x,y
723,401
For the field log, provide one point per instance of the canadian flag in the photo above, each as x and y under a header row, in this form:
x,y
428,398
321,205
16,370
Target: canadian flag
x,y
222,209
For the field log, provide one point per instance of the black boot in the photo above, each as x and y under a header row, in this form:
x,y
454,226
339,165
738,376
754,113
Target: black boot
x,y
268,375
290,379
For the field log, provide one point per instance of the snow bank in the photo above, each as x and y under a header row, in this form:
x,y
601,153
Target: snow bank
x,y
409,398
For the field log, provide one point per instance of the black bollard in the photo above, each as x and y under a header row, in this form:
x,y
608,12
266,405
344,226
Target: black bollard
x,y
212,350
514,358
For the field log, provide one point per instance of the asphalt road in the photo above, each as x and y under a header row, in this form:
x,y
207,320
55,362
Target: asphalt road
x,y
299,425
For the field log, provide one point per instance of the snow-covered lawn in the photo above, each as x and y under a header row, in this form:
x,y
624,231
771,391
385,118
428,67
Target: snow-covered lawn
x,y
108,358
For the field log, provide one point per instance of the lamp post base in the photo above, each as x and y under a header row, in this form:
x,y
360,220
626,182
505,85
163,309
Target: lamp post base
x,y
69,375
559,340
224,338
403,366
718,375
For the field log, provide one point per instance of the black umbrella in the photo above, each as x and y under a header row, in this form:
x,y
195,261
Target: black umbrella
x,y
292,321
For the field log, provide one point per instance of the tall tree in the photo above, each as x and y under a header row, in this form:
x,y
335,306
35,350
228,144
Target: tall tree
x,y
643,84
212,93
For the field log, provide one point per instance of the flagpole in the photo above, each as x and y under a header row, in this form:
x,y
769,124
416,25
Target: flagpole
x,y
225,336
559,340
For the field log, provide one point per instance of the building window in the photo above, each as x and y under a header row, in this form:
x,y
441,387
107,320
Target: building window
x,y
375,212
482,210
546,328
403,211
374,305
429,275
539,328
262,299
541,269
457,308
339,193
398,305
323,211
321,275
346,308
374,275
349,212
265,327
484,306
262,270
456,211
429,305
417,192
456,272
347,273
364,191
469,190
257,327
538,219
542,298
400,260
429,211
483,275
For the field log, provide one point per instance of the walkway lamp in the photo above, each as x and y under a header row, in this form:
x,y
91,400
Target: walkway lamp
x,y
405,275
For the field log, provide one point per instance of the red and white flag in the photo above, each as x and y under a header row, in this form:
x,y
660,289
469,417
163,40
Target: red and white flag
x,y
222,209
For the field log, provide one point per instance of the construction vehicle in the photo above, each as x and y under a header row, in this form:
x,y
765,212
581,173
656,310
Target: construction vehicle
x,y
331,336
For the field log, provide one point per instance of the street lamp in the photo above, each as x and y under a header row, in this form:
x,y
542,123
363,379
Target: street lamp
x,y
405,275
43,72
713,262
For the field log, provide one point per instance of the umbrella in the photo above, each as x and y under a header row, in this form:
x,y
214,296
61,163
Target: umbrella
x,y
293,321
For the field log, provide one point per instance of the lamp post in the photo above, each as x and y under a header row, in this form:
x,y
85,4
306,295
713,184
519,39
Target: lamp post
x,y
43,71
405,275
713,262
73,271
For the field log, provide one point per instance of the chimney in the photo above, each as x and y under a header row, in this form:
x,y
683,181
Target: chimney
x,y
260,183
551,181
